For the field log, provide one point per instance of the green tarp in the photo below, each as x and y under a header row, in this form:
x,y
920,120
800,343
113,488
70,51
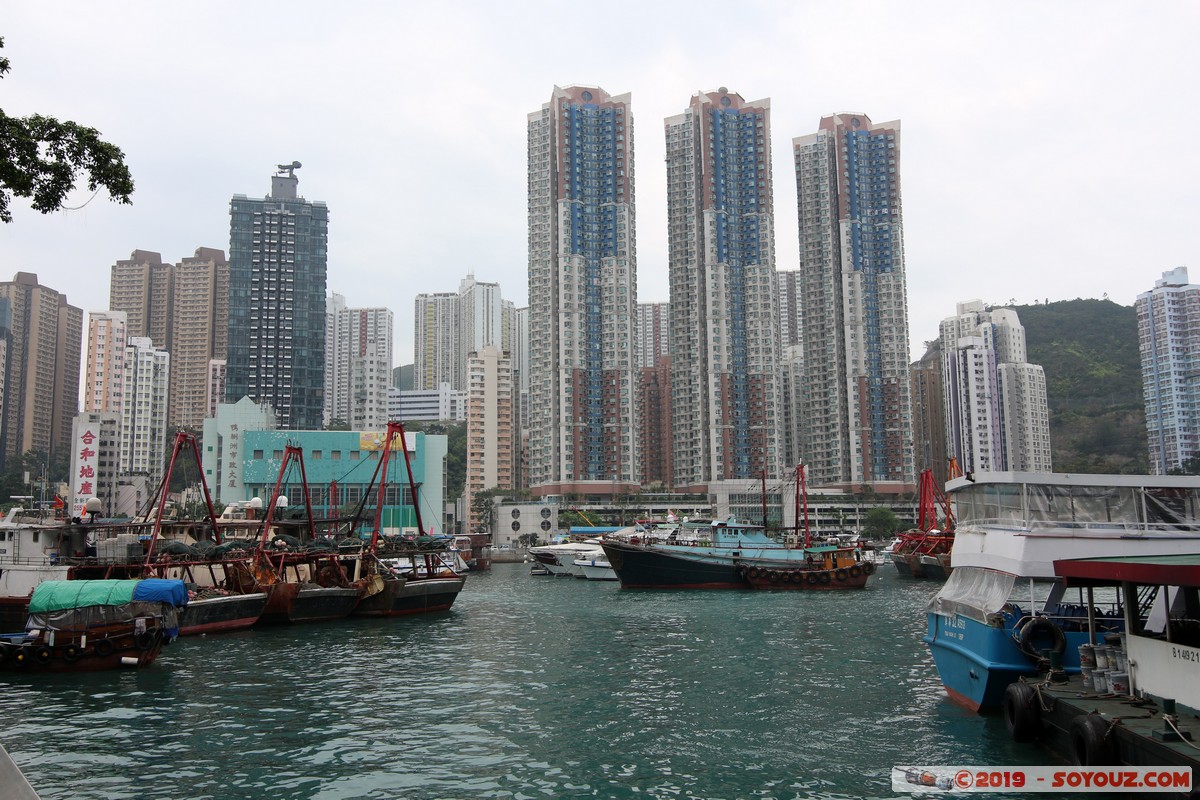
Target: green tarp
x,y
52,596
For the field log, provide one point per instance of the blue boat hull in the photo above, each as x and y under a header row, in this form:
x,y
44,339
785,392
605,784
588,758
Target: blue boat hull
x,y
977,662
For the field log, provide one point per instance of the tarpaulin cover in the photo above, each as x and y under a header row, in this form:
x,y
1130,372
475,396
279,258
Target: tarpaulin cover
x,y
161,590
52,596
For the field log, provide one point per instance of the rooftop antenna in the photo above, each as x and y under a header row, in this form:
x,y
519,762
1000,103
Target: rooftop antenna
x,y
290,169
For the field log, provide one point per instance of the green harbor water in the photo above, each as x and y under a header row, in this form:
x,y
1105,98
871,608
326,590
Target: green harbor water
x,y
531,687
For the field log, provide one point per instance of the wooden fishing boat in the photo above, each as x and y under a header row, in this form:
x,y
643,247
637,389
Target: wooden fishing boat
x,y
86,626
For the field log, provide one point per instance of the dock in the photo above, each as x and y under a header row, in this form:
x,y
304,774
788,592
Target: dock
x,y
13,785
1087,728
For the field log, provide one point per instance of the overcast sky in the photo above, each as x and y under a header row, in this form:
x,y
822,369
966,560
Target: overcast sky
x,y
1048,148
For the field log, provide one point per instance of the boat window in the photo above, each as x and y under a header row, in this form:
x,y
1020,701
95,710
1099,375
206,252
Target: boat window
x,y
1171,507
972,593
1084,506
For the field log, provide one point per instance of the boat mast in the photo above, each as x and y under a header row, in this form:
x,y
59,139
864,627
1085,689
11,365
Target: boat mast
x,y
764,499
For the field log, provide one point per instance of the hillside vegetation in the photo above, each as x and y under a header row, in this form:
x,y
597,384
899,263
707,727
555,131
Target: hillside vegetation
x,y
1089,350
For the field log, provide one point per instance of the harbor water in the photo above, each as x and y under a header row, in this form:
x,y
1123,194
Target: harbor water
x,y
530,687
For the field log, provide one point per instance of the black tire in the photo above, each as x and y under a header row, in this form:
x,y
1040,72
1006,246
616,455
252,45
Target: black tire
x,y
1022,714
43,654
752,572
855,571
1090,743
103,647
1042,626
825,578
71,652
5,652
144,640
773,576
813,579
796,577
868,568
840,574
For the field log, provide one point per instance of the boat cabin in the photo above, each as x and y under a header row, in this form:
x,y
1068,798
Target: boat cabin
x,y
831,556
1162,618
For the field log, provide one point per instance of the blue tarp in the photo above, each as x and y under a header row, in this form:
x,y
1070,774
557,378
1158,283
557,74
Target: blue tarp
x,y
161,590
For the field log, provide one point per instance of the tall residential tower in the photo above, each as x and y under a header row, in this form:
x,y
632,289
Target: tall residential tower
x,y
1169,340
725,421
582,294
857,419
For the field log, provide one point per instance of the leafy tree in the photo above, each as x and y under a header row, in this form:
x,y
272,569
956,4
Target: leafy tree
x,y
456,451
880,523
40,158
527,540
338,425
484,510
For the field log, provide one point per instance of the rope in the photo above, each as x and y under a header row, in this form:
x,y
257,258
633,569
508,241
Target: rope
x,y
1182,738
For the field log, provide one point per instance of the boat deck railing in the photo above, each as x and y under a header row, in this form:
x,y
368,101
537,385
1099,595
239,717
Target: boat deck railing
x,y
1051,525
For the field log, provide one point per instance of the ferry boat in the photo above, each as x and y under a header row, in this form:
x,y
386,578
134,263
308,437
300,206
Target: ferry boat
x,y
1002,613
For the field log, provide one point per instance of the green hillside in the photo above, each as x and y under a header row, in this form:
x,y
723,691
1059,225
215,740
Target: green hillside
x,y
1089,350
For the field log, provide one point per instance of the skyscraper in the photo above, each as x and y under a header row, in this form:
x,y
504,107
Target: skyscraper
x,y
143,436
725,421
436,341
490,430
582,294
1169,340
182,309
41,384
278,254
996,410
103,385
857,410
358,365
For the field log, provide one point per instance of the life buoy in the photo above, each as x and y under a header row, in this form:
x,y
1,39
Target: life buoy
x,y
144,640
825,578
868,568
812,579
1042,626
1090,745
103,647
71,652
1022,714
855,571
43,654
840,575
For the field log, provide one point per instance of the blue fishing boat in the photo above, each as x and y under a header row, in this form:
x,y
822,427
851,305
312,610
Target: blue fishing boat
x,y
1002,613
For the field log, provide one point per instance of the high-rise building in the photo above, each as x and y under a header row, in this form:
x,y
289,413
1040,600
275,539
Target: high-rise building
x,y
654,394
436,337
582,294
481,321
489,427
995,406
41,382
104,381
1169,341
857,409
199,334
929,415
278,254
653,333
725,392
143,436
358,365
182,309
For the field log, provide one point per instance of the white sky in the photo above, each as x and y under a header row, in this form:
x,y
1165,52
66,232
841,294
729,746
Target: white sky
x,y
1048,147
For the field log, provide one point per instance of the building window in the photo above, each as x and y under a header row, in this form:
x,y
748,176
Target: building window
x,y
258,455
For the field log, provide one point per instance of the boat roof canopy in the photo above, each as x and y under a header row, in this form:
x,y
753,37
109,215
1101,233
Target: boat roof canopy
x,y
1165,570
50,596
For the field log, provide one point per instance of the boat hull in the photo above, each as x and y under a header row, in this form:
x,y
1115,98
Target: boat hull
x,y
99,650
977,662
387,602
808,580
218,614
425,595
292,603
638,567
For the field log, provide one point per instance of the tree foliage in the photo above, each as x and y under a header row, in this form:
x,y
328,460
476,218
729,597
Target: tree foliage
x,y
41,159
880,523
456,451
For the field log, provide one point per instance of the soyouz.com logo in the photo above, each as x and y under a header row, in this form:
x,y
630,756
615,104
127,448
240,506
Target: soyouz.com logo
x,y
970,780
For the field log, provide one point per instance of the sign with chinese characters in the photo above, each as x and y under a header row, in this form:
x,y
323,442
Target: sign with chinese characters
x,y
233,469
86,467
